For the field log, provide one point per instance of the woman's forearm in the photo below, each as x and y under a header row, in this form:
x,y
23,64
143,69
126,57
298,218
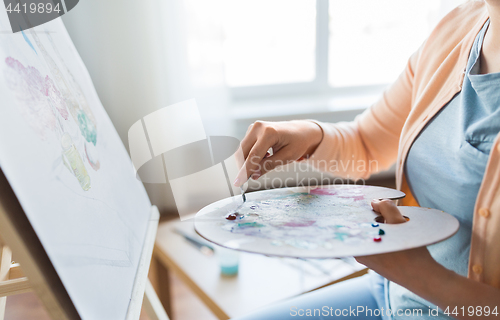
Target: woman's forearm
x,y
461,297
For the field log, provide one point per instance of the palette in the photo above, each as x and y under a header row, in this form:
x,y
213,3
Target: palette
x,y
320,222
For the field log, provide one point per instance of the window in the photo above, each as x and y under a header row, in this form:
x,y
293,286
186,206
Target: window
x,y
269,42
371,41
276,47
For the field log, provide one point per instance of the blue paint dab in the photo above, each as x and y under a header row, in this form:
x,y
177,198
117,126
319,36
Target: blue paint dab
x,y
28,41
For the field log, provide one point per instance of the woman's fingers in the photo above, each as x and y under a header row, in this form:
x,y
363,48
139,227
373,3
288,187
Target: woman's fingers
x,y
252,166
300,137
248,143
388,210
257,154
249,140
281,157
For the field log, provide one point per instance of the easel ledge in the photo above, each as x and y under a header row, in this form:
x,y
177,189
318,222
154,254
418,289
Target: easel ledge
x,y
38,273
142,286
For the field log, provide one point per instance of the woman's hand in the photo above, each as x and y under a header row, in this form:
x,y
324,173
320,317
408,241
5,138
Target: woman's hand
x,y
417,271
290,140
395,265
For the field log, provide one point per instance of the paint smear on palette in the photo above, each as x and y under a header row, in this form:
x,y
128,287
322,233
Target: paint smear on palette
x,y
320,218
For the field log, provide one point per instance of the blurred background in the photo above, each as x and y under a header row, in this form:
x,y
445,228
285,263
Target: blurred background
x,y
242,60
246,60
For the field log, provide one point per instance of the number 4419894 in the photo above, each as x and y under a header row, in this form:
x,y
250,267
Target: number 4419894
x,y
34,8
472,311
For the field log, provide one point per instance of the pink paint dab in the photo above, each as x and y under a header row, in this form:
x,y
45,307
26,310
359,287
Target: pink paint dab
x,y
323,192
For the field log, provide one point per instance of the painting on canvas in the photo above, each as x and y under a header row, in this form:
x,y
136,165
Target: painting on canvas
x,y
69,169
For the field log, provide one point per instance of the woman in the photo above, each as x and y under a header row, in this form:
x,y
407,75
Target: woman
x,y
439,122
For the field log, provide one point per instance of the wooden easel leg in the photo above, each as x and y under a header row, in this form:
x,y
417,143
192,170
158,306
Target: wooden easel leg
x,y
160,278
153,274
152,304
3,303
5,262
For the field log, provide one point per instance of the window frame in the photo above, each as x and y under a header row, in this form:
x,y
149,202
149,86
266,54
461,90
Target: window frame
x,y
320,83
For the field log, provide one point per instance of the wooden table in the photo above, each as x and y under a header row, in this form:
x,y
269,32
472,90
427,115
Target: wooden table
x,y
260,281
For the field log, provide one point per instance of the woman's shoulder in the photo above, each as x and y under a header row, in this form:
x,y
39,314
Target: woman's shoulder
x,y
468,7
450,41
457,24
464,16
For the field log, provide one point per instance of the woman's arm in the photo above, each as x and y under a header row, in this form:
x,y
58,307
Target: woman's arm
x,y
348,149
372,139
417,271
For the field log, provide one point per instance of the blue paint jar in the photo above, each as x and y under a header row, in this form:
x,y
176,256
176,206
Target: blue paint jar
x,y
228,260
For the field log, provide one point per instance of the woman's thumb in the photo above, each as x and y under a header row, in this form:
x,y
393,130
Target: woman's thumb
x,y
388,210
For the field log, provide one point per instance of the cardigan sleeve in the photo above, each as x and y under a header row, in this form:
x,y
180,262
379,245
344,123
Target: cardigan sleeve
x,y
370,143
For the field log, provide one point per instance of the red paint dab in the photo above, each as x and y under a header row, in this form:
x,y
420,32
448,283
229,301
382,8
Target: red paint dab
x,y
231,216
377,239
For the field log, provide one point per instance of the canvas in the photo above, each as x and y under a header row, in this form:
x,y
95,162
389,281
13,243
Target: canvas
x,y
69,169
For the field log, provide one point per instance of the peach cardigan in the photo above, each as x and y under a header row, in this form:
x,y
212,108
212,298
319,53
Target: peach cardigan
x,y
385,132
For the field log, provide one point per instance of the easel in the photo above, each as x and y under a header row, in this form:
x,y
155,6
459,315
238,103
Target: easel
x,y
39,275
